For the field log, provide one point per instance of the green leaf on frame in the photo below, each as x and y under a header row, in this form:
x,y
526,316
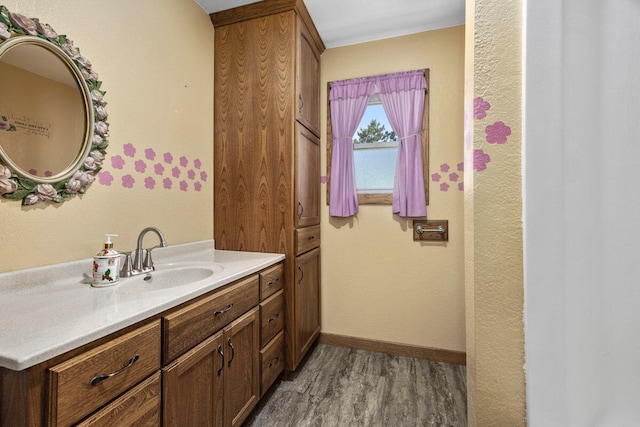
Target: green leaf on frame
x,y
60,186
19,194
26,184
4,16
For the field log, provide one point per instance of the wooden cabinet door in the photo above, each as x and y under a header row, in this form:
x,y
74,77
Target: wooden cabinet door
x,y
307,301
308,81
192,386
241,369
307,177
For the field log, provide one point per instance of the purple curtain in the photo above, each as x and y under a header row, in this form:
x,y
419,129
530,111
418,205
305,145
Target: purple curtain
x,y
402,97
348,102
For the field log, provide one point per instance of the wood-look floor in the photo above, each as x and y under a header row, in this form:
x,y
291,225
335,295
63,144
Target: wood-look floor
x,y
339,386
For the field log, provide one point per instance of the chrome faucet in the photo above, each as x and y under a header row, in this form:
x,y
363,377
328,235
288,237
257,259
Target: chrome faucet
x,y
142,262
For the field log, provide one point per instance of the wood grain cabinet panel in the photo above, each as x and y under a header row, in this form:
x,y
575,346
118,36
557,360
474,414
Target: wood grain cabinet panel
x,y
271,281
308,81
138,407
271,317
307,177
242,369
192,324
307,238
193,386
307,300
86,382
271,362
266,145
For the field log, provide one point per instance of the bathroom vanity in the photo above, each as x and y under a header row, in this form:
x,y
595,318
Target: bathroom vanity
x,y
199,339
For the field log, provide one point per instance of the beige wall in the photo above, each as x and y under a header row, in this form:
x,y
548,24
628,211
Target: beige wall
x,y
377,283
493,214
155,60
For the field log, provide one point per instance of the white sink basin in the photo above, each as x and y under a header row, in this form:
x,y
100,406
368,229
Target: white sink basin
x,y
166,277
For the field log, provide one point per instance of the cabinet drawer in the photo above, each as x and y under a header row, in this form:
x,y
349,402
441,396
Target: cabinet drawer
x,y
307,238
185,328
140,406
271,281
88,381
271,317
271,361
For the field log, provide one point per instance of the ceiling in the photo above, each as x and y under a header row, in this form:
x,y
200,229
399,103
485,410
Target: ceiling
x,y
345,22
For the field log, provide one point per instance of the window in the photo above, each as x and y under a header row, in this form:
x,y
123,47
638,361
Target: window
x,y
375,161
375,150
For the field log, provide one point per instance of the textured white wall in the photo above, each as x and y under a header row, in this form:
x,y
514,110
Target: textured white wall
x,y
582,257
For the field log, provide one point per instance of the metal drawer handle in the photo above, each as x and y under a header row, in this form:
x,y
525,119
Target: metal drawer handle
x,y
271,319
273,282
311,237
300,210
221,353
301,275
300,104
99,378
233,351
275,362
219,312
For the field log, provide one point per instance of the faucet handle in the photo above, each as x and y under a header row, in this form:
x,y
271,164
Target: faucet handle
x,y
127,266
148,262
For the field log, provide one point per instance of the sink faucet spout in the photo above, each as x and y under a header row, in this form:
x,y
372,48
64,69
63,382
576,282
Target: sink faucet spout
x,y
139,264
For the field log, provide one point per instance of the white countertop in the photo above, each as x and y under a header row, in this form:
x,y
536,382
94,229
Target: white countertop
x,y
47,311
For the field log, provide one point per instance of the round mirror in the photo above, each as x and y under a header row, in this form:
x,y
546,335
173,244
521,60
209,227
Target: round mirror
x,y
52,118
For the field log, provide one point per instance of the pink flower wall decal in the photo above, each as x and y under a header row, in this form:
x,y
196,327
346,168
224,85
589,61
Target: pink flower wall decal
x,y
105,178
149,183
183,185
141,166
48,173
461,167
197,186
453,177
480,107
197,163
444,187
168,158
167,183
444,167
158,168
117,162
149,154
175,172
184,162
191,174
204,176
480,160
128,181
497,133
435,177
461,186
129,150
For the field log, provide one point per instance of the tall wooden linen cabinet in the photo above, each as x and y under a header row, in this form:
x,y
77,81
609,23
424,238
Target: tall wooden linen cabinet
x,y
267,150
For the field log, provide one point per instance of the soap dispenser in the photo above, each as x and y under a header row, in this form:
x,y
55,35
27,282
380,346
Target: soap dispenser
x,y
106,265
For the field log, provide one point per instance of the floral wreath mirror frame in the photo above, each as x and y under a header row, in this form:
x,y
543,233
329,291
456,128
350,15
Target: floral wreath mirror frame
x,y
14,185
